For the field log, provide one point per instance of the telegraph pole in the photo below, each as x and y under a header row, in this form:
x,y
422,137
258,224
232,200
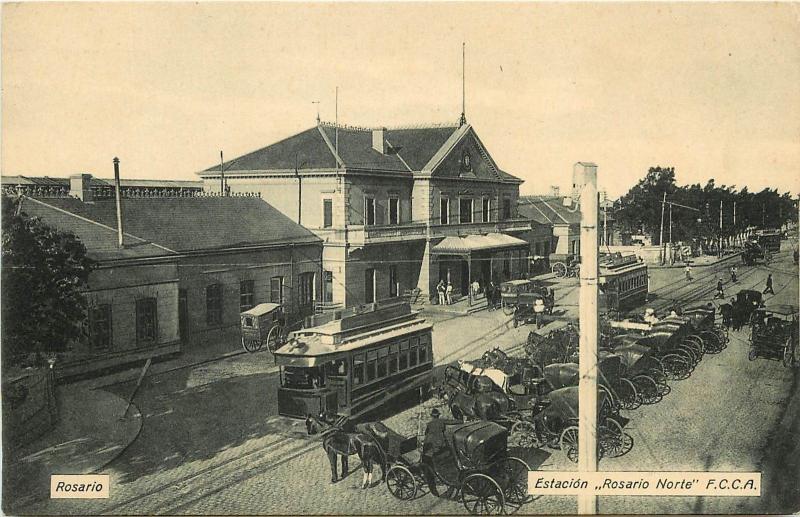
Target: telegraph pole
x,y
587,390
671,254
661,235
720,228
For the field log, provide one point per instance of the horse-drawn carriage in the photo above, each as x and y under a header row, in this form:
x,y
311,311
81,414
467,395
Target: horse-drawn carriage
x,y
775,334
662,351
565,266
470,459
518,297
756,251
558,346
264,324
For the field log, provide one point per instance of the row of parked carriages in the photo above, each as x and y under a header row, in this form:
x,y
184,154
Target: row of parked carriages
x,y
536,397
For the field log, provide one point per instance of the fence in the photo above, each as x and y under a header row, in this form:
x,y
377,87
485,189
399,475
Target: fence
x,y
29,405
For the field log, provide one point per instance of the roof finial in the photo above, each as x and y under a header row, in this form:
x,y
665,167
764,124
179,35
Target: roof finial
x,y
317,103
463,119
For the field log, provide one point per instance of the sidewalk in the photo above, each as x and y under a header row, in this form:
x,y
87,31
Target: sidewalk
x,y
90,433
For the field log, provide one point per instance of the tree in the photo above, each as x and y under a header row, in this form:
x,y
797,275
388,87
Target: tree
x,y
640,209
44,271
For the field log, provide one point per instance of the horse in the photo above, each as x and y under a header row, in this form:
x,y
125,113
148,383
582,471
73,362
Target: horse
x,y
338,442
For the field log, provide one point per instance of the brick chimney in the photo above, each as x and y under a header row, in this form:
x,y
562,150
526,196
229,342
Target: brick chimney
x,y
379,140
80,186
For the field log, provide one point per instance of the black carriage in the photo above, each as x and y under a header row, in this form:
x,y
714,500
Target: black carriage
x,y
470,459
264,324
565,266
775,334
754,252
518,297
703,321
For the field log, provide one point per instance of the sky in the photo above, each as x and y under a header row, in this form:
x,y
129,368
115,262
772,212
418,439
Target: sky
x,y
710,89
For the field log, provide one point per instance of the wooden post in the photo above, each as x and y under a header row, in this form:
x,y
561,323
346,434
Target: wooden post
x,y
661,235
136,388
587,391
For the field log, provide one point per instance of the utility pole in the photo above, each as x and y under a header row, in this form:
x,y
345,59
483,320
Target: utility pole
x,y
587,362
221,175
118,198
720,228
735,232
671,255
661,235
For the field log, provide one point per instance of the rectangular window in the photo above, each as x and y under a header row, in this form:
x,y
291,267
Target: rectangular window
x,y
485,210
146,320
276,289
382,367
394,210
412,357
358,369
328,295
506,208
214,304
369,211
392,363
369,285
423,353
327,213
100,327
465,210
444,210
246,295
305,289
394,285
403,355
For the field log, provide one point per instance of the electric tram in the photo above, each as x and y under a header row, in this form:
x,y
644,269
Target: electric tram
x,y
623,283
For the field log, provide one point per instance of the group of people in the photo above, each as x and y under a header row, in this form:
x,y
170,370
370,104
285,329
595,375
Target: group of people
x,y
445,293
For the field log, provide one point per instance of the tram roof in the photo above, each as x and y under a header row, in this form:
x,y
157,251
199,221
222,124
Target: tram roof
x,y
605,270
312,349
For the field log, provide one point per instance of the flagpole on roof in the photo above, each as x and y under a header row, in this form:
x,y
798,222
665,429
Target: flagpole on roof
x,y
463,120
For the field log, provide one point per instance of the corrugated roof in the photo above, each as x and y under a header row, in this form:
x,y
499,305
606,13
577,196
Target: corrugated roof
x,y
468,243
194,223
100,240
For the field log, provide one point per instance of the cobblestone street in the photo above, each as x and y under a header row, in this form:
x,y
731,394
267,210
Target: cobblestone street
x,y
211,442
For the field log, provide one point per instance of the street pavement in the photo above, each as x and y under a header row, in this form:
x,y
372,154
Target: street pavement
x,y
211,443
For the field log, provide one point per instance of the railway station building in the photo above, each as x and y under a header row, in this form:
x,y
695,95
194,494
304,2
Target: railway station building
x,y
397,209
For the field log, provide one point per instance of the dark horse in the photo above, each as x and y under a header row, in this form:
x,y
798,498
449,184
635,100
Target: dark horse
x,y
336,441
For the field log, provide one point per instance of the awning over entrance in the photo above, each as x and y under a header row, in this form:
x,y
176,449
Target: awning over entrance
x,y
467,244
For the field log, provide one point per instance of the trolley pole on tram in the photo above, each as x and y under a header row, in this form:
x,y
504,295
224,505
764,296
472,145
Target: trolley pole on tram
x,y
587,390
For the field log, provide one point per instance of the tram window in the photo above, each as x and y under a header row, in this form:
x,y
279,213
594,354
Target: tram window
x,y
371,367
358,369
336,368
403,360
423,354
392,363
393,348
414,341
299,378
382,367
412,357
404,345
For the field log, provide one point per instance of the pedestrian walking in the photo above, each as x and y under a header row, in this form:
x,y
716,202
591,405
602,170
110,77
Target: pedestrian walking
x,y
538,311
448,294
720,293
440,291
688,271
769,289
733,274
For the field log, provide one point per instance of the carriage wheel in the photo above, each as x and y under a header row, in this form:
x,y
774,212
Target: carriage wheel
x,y
722,333
613,440
647,388
713,343
523,434
627,395
512,475
275,338
401,483
676,367
253,345
559,269
686,354
697,343
482,495
569,443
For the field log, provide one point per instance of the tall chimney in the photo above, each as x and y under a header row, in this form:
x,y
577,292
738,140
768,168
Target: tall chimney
x,y
379,140
80,186
118,194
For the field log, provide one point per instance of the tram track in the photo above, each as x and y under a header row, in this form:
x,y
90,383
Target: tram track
x,y
181,483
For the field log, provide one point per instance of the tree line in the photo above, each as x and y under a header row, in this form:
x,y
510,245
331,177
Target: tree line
x,y
639,210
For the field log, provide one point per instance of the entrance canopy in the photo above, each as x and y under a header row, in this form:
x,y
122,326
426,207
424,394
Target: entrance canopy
x,y
467,244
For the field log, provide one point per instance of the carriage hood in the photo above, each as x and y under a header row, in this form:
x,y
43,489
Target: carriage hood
x,y
564,402
478,442
559,375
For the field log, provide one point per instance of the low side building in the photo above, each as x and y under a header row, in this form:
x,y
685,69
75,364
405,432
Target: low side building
x,y
218,255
